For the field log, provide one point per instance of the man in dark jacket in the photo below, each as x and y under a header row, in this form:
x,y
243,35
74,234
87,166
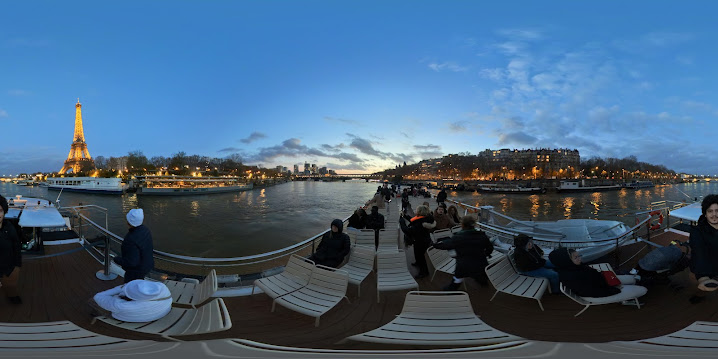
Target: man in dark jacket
x,y
441,197
10,255
375,221
704,248
136,257
472,250
334,247
529,261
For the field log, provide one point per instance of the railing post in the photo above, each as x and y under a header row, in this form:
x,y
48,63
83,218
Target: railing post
x,y
105,274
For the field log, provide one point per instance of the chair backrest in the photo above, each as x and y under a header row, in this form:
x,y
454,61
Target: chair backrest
x,y
206,288
418,302
390,260
576,298
455,229
438,257
500,271
329,279
512,259
300,268
362,257
440,234
365,237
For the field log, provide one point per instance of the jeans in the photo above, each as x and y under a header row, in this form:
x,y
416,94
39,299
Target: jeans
x,y
548,273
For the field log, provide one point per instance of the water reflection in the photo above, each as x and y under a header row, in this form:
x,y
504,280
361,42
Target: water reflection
x,y
534,205
567,207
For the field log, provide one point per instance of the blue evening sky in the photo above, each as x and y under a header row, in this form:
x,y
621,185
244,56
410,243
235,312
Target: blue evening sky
x,y
359,86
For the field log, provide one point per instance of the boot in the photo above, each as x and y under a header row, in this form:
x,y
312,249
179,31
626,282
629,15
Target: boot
x,y
452,286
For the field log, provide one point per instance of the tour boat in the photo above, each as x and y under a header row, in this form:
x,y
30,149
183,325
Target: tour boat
x,y
640,184
580,186
54,319
509,189
186,185
99,185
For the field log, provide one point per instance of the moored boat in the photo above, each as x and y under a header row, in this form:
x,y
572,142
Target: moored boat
x,y
98,185
509,189
580,186
187,185
640,184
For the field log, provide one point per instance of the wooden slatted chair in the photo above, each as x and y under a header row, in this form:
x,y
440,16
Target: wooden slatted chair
x,y
193,292
365,237
440,234
392,273
388,240
295,276
436,318
505,279
629,292
360,264
441,261
326,288
209,318
66,336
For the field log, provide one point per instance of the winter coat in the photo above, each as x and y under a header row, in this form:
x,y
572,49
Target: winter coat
x,y
527,260
581,279
10,248
472,249
419,229
704,249
358,222
443,221
333,248
136,257
375,220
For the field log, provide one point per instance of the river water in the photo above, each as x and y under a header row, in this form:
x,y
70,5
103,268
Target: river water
x,y
265,219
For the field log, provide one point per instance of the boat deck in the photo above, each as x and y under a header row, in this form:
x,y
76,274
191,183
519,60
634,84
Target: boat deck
x,y
57,287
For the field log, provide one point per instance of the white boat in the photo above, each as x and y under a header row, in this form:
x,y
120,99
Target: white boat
x,y
592,238
40,222
87,184
640,184
186,185
580,186
504,188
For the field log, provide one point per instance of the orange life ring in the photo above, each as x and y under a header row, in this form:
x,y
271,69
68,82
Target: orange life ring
x,y
658,225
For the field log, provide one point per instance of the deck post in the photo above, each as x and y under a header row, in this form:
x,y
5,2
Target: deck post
x,y
105,274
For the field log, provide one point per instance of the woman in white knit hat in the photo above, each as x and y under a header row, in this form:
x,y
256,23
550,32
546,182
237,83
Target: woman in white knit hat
x,y
136,258
136,301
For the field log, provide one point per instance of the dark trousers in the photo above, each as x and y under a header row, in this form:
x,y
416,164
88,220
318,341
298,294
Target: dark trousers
x,y
132,275
419,251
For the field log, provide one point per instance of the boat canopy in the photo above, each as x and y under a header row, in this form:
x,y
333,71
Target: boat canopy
x,y
41,217
690,212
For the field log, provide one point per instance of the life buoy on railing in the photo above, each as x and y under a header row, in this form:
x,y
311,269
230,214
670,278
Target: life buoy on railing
x,y
658,225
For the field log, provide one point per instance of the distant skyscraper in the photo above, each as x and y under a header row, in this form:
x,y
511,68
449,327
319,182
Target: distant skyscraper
x,y
296,169
79,157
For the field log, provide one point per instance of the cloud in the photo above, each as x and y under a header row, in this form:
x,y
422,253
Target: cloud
x,y
348,166
458,126
521,34
253,137
663,39
684,60
448,66
341,120
3,114
428,151
516,138
230,150
294,148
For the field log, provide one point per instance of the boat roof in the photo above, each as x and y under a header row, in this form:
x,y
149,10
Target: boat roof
x,y
690,212
40,216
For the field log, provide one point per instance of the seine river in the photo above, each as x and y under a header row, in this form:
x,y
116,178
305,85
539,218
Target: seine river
x,y
265,219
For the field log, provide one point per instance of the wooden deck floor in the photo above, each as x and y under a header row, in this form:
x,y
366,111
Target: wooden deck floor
x,y
58,287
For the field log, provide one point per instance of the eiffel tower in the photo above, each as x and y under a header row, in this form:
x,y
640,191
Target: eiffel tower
x,y
79,159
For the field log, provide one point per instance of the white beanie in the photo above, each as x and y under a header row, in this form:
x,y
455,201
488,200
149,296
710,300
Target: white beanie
x,y
135,217
140,289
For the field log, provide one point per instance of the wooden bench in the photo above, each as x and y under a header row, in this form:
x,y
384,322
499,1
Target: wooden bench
x,y
436,318
326,288
505,279
193,292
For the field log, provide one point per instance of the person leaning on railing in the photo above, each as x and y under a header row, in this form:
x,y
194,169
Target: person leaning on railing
x,y
704,249
10,255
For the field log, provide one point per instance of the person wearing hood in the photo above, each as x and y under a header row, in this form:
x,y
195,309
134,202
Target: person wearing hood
x,y
585,281
136,251
137,301
704,248
419,233
334,246
473,248
529,261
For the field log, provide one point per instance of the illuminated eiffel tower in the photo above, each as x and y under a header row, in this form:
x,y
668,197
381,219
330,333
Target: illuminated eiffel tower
x,y
79,159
